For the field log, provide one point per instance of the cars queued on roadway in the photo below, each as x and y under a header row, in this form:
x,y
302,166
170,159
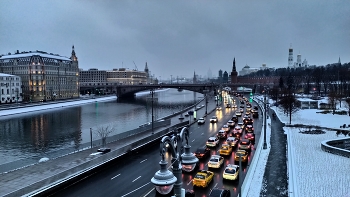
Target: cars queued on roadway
x,y
236,138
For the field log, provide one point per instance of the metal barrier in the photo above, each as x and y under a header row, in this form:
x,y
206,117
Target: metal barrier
x,y
82,169
249,176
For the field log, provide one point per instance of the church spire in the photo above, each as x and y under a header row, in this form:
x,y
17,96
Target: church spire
x,y
339,61
234,65
146,68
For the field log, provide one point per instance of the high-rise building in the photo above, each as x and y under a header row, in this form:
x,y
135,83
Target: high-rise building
x,y
220,76
45,76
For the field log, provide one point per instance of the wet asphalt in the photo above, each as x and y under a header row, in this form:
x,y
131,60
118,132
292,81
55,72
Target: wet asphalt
x,y
275,180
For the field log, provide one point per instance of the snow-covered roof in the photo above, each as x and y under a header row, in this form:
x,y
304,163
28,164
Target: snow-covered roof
x,y
306,99
19,55
6,75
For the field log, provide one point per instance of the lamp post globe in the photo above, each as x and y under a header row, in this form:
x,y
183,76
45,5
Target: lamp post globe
x,y
188,160
163,179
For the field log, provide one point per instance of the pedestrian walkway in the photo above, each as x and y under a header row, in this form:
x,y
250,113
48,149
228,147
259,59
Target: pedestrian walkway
x,y
34,177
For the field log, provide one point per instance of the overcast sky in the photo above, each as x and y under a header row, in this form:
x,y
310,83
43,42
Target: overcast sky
x,y
179,37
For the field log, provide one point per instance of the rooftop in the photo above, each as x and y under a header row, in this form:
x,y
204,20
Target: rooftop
x,y
32,53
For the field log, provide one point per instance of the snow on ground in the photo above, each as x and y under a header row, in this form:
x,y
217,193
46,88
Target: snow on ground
x,y
317,173
45,106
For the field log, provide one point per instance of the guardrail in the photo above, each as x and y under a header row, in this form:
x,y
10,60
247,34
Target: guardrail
x,y
330,146
248,178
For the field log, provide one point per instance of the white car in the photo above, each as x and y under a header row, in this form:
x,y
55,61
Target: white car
x,y
201,121
218,108
238,114
226,128
233,141
240,124
237,131
212,142
215,161
231,172
230,123
214,119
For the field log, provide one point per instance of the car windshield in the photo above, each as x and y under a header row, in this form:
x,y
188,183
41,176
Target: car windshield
x,y
230,170
199,176
240,154
200,151
214,159
224,148
244,143
213,117
211,140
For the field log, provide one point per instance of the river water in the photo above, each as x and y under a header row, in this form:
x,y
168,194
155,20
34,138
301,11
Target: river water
x,y
32,134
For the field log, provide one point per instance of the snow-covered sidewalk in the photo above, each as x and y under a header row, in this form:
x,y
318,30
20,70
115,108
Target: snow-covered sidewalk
x,y
46,106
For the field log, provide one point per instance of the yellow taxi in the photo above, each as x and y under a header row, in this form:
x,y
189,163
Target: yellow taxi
x,y
243,154
226,149
203,178
231,172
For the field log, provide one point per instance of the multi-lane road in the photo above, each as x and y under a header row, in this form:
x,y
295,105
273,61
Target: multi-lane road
x,y
131,175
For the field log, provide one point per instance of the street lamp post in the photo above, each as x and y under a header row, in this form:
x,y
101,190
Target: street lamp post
x,y
152,92
91,136
163,179
239,177
171,79
265,145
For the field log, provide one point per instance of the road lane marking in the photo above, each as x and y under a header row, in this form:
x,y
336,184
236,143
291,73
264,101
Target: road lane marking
x,y
214,186
115,177
148,193
193,140
202,133
136,179
143,161
189,182
135,189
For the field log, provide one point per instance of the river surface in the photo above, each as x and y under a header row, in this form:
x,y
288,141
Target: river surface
x,y
32,134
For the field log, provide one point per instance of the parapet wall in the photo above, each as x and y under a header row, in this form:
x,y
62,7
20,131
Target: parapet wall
x,y
338,146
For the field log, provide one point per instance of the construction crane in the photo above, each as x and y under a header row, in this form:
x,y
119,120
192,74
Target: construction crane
x,y
135,66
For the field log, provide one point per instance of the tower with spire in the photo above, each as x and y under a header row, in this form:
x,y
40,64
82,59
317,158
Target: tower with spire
x,y
194,77
234,72
147,74
73,57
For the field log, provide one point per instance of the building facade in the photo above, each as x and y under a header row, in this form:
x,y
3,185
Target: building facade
x,y
118,76
10,88
44,76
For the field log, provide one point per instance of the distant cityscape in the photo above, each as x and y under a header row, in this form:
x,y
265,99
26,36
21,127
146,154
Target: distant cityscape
x,y
40,76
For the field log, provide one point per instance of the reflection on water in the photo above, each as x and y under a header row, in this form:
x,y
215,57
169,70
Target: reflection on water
x,y
32,134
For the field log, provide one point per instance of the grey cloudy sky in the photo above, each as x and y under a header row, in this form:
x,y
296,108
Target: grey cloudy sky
x,y
179,37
